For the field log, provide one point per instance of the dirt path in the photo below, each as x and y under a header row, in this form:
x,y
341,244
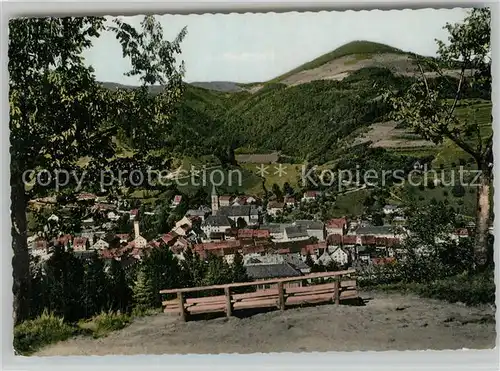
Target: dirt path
x,y
386,322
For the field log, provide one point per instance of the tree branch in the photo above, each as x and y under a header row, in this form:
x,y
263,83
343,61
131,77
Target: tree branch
x,y
423,76
459,88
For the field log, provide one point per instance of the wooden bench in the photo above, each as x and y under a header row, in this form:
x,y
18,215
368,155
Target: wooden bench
x,y
343,288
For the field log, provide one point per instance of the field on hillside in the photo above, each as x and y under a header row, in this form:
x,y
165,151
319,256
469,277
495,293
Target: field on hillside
x,y
388,135
385,322
290,173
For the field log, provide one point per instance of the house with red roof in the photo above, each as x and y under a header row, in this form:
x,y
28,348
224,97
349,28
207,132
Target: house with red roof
x,y
40,247
336,226
86,197
460,233
64,240
177,200
169,238
134,213
80,243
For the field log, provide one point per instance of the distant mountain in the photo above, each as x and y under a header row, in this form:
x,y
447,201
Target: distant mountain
x,y
222,86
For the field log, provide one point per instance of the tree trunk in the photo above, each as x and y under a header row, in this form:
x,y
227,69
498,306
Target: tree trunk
x,y
20,260
482,220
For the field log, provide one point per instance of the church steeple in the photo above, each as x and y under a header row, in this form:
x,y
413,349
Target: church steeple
x,y
215,201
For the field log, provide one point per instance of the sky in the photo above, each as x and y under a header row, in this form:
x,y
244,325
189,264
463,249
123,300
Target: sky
x,y
258,47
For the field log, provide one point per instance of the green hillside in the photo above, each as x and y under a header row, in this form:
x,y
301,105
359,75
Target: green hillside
x,y
317,122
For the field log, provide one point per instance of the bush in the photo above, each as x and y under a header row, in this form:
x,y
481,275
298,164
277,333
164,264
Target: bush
x,y
104,323
458,190
31,335
470,290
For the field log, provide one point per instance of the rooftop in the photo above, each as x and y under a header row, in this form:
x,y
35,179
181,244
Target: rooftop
x,y
310,224
296,231
237,210
374,230
279,270
217,220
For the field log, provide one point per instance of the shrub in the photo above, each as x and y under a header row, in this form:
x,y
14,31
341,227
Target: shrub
x,y
458,190
31,335
104,323
470,290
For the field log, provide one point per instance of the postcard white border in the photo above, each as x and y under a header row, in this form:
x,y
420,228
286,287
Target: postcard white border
x,y
408,360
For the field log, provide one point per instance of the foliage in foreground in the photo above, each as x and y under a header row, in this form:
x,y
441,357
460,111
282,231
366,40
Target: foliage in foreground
x,y
470,290
45,329
104,323
31,335
434,265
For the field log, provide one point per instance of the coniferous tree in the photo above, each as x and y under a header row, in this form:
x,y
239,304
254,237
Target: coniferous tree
x,y
193,269
162,268
143,291
94,288
120,294
239,270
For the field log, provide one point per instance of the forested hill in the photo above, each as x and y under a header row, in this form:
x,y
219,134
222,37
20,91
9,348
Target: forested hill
x,y
311,119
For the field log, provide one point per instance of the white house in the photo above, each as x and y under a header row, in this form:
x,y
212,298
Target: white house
x,y
310,196
274,208
215,224
113,216
340,255
390,209
100,244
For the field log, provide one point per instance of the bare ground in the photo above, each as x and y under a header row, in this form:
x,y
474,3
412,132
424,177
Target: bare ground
x,y
386,135
386,322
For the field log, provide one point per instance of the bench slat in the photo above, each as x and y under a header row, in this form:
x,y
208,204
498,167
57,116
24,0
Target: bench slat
x,y
311,289
263,303
256,294
206,299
